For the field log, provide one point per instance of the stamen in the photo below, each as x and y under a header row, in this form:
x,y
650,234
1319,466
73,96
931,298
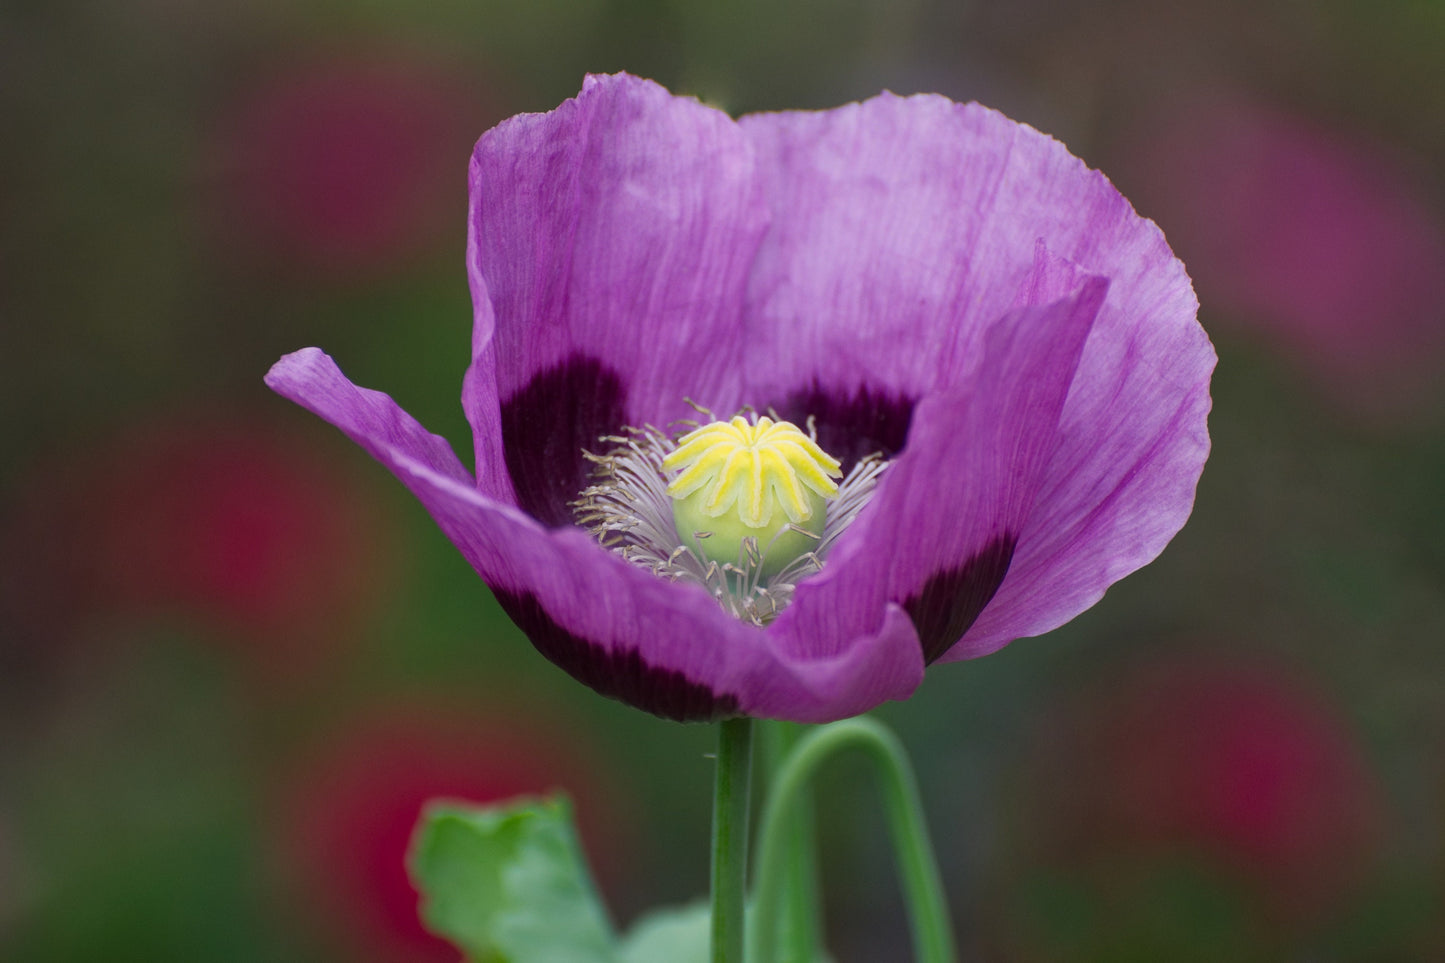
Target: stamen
x,y
629,509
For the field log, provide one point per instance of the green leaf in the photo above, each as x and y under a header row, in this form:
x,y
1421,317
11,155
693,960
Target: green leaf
x,y
507,884
676,935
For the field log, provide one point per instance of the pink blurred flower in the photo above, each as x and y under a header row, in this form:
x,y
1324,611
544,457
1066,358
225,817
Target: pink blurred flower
x,y
348,164
229,521
1316,240
349,808
218,521
1242,765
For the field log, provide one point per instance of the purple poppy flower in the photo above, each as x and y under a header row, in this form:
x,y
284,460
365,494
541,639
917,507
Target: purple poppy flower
x,y
970,320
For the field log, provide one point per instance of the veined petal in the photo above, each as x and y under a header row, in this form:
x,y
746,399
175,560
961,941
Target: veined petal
x,y
896,239
481,402
1133,439
939,536
609,242
902,228
371,419
806,686
663,647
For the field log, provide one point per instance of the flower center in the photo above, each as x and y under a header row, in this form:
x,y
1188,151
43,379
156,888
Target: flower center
x,y
756,490
746,509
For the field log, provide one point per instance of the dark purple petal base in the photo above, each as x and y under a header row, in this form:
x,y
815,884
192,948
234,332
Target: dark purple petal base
x,y
852,424
546,426
619,674
951,601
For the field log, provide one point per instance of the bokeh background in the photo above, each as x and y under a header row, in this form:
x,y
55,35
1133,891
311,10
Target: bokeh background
x,y
235,655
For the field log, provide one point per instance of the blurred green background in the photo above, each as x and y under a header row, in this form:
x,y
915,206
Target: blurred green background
x,y
235,655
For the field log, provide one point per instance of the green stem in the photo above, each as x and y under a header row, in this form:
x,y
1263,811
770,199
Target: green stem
x,y
800,914
731,797
917,868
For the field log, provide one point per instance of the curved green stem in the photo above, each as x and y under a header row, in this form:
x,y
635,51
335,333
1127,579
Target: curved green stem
x,y
917,868
731,799
799,915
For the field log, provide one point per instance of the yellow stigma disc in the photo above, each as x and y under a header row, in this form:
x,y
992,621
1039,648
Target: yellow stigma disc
x,y
738,480
752,469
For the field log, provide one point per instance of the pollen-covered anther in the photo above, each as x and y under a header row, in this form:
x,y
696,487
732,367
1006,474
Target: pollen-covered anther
x,y
751,491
